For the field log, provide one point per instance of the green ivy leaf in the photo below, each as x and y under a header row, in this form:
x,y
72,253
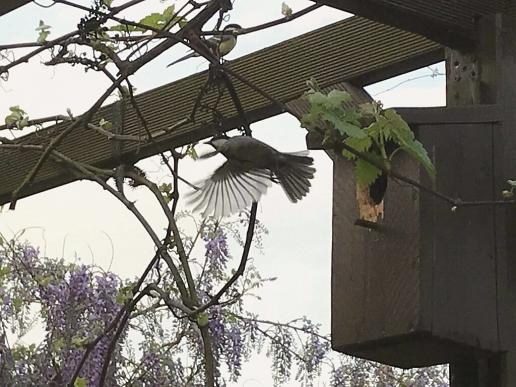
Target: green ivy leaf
x,y
105,124
376,129
78,341
80,382
316,98
337,98
4,271
165,187
58,344
344,127
43,30
17,303
366,173
124,294
401,134
18,117
286,10
359,144
371,108
168,13
153,20
334,99
202,319
124,28
191,152
231,318
418,151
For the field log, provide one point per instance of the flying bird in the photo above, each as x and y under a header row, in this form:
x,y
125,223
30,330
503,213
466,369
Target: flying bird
x,y
220,45
250,169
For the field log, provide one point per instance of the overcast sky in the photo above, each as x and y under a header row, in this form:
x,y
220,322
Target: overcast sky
x,y
80,221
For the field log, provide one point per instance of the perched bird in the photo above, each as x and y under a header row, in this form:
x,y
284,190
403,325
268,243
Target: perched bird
x,y
220,45
250,169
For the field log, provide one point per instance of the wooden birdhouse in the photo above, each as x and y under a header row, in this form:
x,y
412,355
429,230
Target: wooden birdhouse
x,y
419,286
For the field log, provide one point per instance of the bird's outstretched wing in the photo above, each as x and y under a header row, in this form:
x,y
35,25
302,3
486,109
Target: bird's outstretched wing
x,y
232,187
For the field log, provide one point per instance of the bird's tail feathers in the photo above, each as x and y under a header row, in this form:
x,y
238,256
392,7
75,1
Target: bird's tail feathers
x,y
294,175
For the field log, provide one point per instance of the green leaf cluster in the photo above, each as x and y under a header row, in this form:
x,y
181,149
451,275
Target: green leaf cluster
x,y
369,130
202,319
80,382
191,152
43,31
155,20
125,294
167,190
286,10
18,117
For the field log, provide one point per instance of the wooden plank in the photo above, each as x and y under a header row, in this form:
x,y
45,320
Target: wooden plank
x,y
458,247
450,22
451,114
350,50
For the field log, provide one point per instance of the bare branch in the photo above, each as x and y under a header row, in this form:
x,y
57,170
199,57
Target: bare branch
x,y
38,121
286,19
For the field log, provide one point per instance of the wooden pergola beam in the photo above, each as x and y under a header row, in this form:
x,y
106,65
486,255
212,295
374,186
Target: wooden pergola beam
x,y
9,5
451,23
354,50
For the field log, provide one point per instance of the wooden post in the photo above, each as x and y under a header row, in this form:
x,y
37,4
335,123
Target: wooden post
x,y
463,88
505,147
488,76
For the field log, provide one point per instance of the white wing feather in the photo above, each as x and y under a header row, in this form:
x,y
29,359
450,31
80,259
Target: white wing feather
x,y
230,189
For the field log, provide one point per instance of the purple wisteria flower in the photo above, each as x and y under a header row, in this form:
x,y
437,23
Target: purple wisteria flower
x,y
78,302
216,252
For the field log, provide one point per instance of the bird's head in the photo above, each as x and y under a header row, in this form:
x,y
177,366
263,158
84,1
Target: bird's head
x,y
218,140
232,27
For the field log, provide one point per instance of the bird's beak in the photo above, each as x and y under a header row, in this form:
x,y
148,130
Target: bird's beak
x,y
207,142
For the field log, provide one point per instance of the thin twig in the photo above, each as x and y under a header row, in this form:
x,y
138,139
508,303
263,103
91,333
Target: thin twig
x,y
286,19
26,57
38,121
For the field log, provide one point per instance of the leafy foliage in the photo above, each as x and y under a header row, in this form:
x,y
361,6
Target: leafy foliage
x,y
154,20
43,31
286,10
18,117
368,129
